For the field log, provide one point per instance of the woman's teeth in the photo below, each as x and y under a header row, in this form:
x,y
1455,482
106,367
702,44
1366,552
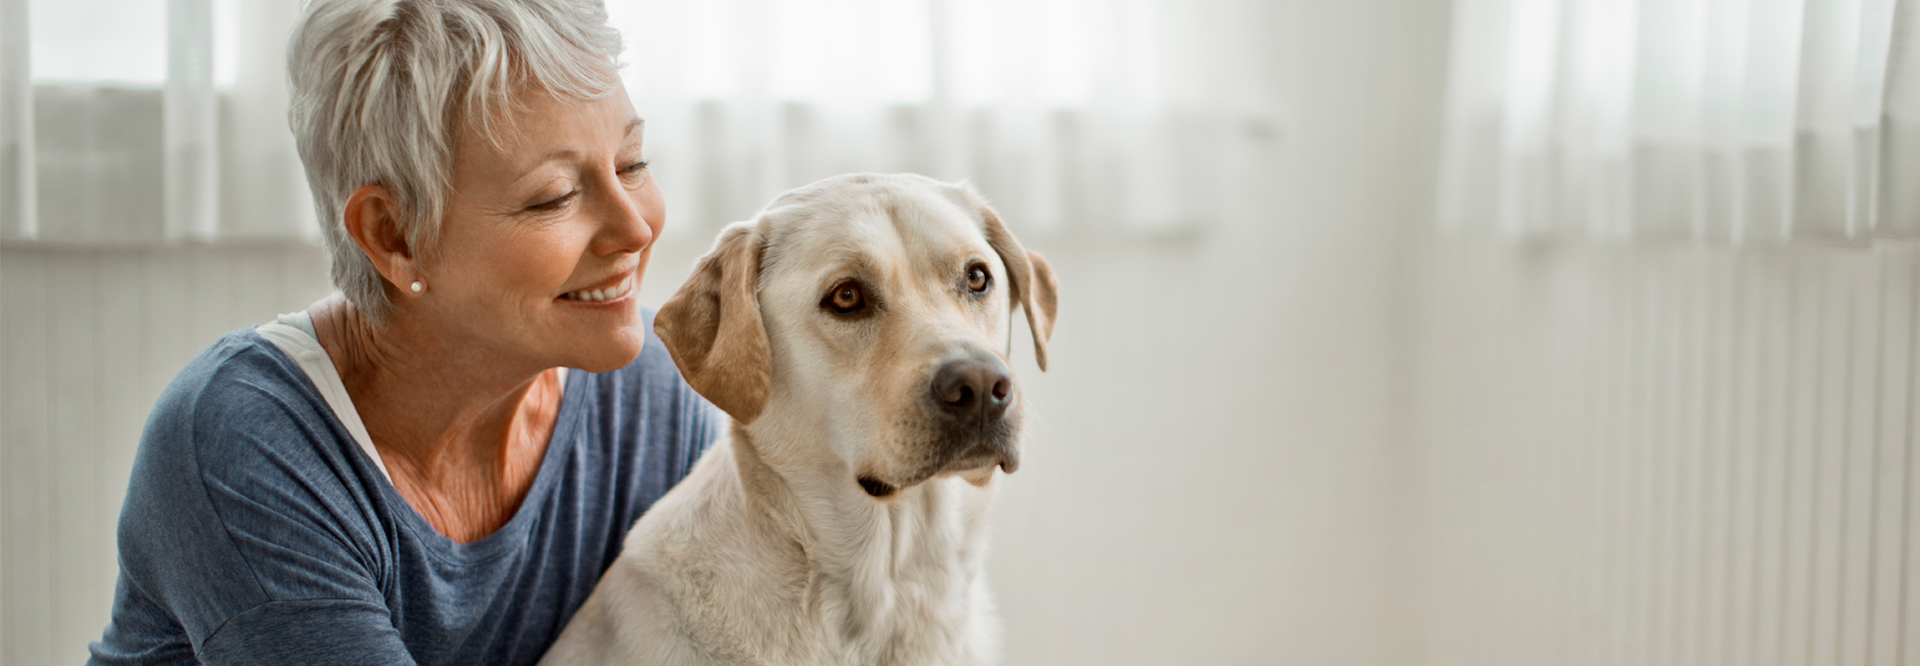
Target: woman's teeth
x,y
610,293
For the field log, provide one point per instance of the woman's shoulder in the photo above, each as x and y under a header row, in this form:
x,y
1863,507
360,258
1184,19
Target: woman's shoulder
x,y
244,418
239,383
238,474
242,494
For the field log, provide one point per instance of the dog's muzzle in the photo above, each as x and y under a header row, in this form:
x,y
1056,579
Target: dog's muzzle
x,y
971,428
971,395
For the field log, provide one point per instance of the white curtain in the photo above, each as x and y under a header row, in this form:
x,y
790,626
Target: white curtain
x,y
1112,115
138,121
1735,121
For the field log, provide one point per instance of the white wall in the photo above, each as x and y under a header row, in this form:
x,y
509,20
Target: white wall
x,y
1668,455
88,338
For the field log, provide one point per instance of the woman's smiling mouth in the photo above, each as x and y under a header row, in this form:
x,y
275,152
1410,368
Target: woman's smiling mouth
x,y
617,291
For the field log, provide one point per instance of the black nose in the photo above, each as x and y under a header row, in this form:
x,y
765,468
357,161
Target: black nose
x,y
975,388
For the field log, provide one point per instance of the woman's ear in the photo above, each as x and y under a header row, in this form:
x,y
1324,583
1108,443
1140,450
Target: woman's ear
x,y
712,326
372,219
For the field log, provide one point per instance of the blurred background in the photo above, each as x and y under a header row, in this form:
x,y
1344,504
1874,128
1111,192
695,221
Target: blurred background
x,y
1392,331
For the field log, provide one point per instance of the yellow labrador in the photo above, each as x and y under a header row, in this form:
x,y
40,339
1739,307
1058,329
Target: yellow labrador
x,y
856,331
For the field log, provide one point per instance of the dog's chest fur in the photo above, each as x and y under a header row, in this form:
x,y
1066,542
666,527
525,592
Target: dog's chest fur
x,y
741,580
903,594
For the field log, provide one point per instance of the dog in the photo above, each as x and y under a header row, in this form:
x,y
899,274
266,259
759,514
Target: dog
x,y
856,332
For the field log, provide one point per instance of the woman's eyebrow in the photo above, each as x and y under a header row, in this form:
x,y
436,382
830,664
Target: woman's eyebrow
x,y
569,152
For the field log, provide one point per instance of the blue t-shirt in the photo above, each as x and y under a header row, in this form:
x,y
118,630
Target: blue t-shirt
x,y
256,531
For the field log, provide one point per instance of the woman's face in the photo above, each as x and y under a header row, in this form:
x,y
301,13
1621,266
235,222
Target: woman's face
x,y
546,236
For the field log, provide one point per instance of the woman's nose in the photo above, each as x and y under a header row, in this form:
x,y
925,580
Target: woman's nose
x,y
623,216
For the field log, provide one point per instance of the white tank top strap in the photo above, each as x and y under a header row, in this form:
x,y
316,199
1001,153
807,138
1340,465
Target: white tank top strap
x,y
294,334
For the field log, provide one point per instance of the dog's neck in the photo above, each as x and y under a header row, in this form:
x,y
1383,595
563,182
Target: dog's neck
x,y
918,552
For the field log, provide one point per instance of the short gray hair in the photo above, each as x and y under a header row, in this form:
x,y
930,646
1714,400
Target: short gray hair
x,y
381,88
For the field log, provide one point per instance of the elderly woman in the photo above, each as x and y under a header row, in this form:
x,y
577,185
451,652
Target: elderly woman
x,y
406,472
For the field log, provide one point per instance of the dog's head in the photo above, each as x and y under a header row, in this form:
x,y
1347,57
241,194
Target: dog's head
x,y
869,315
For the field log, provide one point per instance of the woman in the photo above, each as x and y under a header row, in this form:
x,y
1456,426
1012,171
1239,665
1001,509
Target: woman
x,y
405,473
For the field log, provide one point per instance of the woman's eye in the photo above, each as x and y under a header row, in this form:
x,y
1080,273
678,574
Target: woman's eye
x,y
978,279
634,168
554,203
846,298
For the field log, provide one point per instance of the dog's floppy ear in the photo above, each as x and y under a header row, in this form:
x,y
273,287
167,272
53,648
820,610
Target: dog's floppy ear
x,y
1031,279
712,326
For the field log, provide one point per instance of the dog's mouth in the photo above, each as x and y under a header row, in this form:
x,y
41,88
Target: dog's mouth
x,y
984,458
978,461
877,488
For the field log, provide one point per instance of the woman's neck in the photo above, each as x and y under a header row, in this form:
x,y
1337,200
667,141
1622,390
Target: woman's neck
x,y
461,433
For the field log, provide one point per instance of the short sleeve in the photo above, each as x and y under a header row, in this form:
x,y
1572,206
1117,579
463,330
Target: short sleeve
x,y
307,632
242,529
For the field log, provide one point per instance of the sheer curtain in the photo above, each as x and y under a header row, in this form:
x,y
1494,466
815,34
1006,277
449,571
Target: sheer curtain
x,y
1068,113
1711,120
138,122
155,122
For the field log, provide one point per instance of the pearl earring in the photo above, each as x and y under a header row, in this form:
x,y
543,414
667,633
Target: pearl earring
x,y
417,288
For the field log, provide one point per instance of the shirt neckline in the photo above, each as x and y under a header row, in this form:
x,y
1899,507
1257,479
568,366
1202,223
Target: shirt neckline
x,y
292,335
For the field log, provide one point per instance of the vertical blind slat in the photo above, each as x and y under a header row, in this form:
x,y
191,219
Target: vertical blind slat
x,y
1910,566
1863,391
27,607
1869,97
1898,212
1890,477
262,187
1667,99
1830,449
1823,132
73,415
191,123
1803,460
1723,82
1767,118
16,123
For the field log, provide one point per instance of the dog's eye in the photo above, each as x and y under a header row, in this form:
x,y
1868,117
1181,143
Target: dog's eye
x,y
978,279
846,298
